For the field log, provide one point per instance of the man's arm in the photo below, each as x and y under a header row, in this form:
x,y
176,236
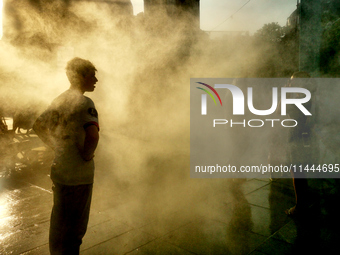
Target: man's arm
x,y
42,131
90,143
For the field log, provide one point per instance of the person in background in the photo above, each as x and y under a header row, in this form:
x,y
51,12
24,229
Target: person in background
x,y
299,143
70,127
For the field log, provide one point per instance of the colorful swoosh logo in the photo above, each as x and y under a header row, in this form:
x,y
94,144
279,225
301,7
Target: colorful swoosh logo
x,y
212,89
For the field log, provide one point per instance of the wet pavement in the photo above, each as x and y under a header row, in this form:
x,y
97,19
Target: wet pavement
x,y
226,217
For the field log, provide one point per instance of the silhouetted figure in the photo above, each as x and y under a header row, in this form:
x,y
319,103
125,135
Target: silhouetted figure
x,y
3,126
70,127
299,143
24,118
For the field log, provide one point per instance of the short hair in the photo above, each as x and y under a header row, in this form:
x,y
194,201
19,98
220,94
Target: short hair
x,y
78,66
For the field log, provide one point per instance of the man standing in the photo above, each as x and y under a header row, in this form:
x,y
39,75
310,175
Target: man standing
x,y
70,127
300,143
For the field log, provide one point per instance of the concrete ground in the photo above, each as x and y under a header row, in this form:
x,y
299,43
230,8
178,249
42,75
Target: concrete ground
x,y
172,216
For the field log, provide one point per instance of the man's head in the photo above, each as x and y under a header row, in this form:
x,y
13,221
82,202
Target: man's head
x,y
81,74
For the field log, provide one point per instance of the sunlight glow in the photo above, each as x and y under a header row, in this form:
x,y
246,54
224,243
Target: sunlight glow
x,y
1,4
138,6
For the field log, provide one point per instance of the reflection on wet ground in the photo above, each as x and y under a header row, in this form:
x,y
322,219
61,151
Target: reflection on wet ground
x,y
243,217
